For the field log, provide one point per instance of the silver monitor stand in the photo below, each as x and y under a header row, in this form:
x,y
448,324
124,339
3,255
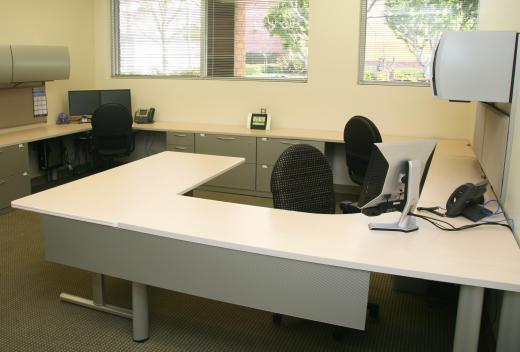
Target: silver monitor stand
x,y
406,223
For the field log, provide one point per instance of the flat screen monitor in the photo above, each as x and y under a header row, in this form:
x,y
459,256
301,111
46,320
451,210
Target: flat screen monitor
x,y
121,96
394,180
85,102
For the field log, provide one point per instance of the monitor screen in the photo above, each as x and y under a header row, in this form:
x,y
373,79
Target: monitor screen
x,y
83,102
121,96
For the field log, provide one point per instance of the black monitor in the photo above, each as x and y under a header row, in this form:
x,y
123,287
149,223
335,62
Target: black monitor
x,y
395,176
121,96
85,102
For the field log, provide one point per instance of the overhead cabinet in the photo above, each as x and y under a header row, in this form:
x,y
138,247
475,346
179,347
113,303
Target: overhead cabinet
x,y
32,64
475,66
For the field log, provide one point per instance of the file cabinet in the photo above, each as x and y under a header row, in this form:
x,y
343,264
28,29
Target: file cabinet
x,y
14,173
180,142
241,177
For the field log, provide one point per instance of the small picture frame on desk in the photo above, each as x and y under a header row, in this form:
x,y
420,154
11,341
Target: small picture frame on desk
x,y
259,121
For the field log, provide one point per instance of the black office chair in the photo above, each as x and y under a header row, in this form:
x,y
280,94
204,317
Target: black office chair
x,y
112,135
359,135
302,181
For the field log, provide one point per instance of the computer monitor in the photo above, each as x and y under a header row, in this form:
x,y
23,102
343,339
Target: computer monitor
x,y
394,179
121,96
85,102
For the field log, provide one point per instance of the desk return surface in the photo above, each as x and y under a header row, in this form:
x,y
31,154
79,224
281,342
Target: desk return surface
x,y
485,256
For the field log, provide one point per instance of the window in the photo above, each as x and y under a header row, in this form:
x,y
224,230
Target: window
x,y
251,39
398,37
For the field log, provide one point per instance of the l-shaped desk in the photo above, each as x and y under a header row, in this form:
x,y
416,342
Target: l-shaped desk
x,y
329,256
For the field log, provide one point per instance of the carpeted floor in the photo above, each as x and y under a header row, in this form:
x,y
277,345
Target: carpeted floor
x,y
33,319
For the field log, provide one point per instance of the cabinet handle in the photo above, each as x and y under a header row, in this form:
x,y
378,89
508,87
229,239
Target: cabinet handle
x,y
289,143
226,138
181,148
179,135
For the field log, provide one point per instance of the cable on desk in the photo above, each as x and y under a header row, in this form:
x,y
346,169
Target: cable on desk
x,y
446,226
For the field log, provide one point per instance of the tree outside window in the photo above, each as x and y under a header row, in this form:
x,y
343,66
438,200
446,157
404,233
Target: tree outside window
x,y
400,36
257,39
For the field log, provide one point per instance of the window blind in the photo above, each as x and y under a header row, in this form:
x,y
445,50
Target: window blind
x,y
251,39
398,37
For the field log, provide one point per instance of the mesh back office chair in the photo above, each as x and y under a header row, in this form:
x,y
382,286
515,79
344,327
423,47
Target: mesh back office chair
x,y
359,135
302,181
112,134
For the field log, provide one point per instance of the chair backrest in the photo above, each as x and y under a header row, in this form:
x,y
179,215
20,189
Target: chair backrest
x,y
359,135
112,129
302,181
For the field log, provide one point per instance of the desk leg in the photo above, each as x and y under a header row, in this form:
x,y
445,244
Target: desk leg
x,y
508,336
98,289
469,313
140,312
98,299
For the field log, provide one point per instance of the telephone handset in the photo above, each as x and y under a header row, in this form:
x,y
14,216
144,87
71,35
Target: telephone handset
x,y
467,201
144,115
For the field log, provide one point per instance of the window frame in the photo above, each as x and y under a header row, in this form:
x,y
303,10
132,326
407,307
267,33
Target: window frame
x,y
115,52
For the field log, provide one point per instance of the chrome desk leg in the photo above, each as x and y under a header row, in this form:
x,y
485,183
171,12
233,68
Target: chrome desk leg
x,y
469,313
98,289
140,310
508,335
98,299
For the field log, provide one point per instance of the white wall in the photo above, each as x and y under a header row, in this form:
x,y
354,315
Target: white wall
x,y
330,97
54,22
504,15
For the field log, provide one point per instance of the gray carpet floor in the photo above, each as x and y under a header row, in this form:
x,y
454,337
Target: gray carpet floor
x,y
33,319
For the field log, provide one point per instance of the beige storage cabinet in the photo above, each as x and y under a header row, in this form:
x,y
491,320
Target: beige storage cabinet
x,y
268,152
14,174
180,142
243,176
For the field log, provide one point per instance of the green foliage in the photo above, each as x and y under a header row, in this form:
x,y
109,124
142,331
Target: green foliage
x,y
289,20
420,29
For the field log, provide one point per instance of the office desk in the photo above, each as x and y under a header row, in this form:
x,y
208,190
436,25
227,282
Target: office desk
x,y
118,238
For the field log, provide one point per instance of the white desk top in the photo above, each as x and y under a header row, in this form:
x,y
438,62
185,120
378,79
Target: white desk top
x,y
486,256
40,132
111,196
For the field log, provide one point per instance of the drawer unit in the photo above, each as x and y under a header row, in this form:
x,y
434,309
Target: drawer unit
x,y
180,148
238,146
240,177
180,138
14,160
269,149
263,178
13,187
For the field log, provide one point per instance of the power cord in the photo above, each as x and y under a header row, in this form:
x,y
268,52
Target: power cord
x,y
446,226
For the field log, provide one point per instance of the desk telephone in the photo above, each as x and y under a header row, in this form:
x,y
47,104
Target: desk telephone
x,y
144,115
466,200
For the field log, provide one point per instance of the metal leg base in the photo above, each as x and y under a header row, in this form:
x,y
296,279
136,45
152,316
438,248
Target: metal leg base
x,y
88,303
139,313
